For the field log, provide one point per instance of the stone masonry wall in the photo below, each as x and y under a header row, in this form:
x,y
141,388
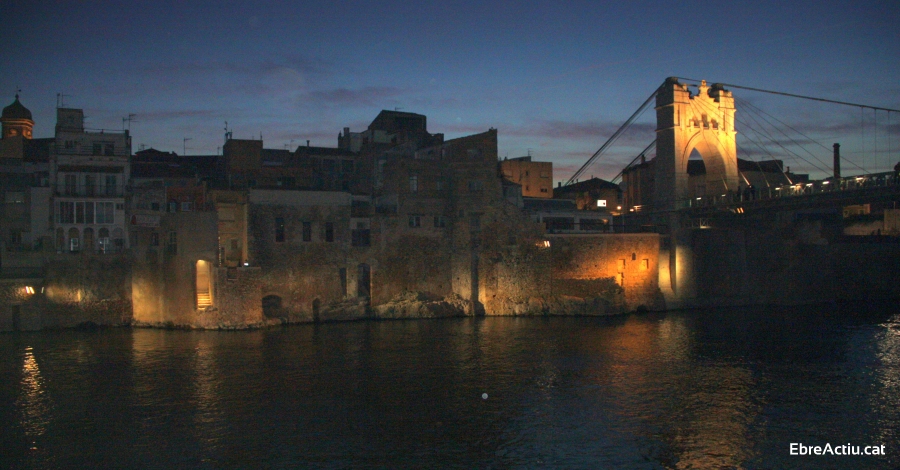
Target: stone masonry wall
x,y
588,266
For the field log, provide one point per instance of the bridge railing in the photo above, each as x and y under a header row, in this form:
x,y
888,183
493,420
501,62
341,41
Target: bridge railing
x,y
830,185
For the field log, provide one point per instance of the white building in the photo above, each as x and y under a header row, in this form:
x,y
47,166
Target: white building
x,y
88,171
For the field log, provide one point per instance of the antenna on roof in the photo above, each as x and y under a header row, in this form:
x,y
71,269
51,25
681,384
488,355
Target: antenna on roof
x,y
227,133
128,119
184,148
397,109
61,100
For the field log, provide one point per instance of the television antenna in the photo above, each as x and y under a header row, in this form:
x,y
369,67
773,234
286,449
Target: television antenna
x,y
129,120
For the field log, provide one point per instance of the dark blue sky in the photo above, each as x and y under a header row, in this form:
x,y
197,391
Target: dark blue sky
x,y
554,77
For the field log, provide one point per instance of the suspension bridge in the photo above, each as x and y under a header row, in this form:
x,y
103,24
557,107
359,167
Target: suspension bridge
x,y
692,165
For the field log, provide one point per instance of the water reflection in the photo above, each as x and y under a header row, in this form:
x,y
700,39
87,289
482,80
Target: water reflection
x,y
34,402
683,390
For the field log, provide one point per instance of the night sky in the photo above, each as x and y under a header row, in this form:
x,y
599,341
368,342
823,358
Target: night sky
x,y
555,78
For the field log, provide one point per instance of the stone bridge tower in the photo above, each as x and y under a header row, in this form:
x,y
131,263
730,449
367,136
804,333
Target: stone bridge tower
x,y
684,123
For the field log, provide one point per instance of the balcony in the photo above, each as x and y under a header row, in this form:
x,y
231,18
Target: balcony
x,y
66,190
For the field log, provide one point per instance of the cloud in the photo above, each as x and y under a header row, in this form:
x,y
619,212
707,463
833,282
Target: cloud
x,y
580,130
366,96
176,114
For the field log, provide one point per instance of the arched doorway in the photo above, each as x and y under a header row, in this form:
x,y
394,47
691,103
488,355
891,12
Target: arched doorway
x,y
103,240
74,240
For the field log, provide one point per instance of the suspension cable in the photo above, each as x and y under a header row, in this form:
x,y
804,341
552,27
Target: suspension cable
x,y
797,96
614,137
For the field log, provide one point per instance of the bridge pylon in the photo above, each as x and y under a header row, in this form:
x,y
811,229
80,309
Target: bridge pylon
x,y
684,123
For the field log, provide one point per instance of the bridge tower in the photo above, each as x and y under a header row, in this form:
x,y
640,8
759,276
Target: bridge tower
x,y
684,123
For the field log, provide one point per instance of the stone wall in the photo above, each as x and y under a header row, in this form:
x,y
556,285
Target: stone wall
x,y
623,269
77,289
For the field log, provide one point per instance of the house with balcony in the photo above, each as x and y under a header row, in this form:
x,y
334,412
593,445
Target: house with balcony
x,y
89,169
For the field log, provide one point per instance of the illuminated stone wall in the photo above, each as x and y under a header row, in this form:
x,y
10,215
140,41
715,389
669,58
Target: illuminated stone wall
x,y
588,266
77,289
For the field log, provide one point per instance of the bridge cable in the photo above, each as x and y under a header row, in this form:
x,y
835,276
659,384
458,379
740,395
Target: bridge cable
x,y
642,154
768,136
614,137
762,133
753,109
797,96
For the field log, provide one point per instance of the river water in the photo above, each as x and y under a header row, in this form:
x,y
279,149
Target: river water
x,y
699,389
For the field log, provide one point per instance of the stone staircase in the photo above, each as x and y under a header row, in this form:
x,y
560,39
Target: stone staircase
x,y
203,300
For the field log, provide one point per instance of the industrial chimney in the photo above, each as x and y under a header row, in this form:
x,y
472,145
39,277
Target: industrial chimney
x,y
837,161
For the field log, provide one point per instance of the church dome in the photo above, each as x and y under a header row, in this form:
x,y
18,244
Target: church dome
x,y
16,111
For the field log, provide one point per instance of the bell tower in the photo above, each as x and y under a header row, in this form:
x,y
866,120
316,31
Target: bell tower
x,y
16,121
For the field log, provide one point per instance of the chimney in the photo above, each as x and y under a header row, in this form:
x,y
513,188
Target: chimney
x,y
837,161
307,144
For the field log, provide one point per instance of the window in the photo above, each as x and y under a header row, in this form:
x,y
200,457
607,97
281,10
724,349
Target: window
x,y
413,184
79,212
70,185
173,206
89,213
110,185
14,197
633,256
439,185
97,147
440,221
172,246
645,264
187,206
66,214
543,190
329,232
279,229
109,149
307,231
15,237
361,237
90,185
154,239
415,221
476,185
69,144
105,213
